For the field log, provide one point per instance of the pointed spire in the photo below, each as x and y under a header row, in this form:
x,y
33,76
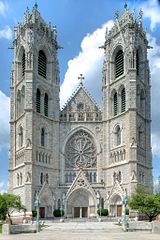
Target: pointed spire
x,y
35,6
26,16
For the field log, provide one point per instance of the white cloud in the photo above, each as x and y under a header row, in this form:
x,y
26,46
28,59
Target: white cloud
x,y
151,10
4,120
3,8
88,62
6,32
3,187
154,56
155,144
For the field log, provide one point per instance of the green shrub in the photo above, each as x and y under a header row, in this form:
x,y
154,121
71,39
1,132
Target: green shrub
x,y
58,212
102,212
34,213
1,227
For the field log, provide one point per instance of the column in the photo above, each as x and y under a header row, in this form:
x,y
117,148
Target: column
x,y
80,212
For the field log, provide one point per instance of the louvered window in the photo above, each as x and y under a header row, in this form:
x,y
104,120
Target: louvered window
x,y
42,64
46,105
115,104
38,101
23,64
119,64
137,63
123,100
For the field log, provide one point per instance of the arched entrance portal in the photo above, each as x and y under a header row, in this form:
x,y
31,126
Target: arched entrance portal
x,y
81,204
116,206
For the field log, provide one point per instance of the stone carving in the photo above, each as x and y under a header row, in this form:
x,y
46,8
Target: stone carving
x,y
28,144
80,151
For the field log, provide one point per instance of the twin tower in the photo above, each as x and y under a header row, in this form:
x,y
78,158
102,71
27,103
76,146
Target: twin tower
x,y
80,158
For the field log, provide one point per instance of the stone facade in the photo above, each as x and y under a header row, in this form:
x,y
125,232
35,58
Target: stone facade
x,y
79,158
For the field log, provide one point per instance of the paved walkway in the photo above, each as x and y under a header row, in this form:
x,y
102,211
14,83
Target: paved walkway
x,y
83,231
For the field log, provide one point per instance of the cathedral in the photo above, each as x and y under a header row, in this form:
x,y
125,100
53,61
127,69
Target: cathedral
x,y
80,158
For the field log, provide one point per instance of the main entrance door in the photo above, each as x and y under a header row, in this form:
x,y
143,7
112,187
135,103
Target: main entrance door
x,y
77,212
80,212
84,212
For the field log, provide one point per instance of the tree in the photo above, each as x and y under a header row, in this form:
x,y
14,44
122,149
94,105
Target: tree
x,y
9,203
148,204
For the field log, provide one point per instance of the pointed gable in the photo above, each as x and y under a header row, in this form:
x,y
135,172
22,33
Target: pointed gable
x,y
79,183
83,104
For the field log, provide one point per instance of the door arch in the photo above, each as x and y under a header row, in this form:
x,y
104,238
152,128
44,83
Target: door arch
x,y
116,205
80,203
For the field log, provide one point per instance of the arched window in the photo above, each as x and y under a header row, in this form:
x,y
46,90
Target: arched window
x,y
18,103
21,136
47,178
140,135
137,62
38,101
119,177
115,99
119,64
118,135
41,178
23,64
123,100
42,137
20,178
59,203
95,177
46,104
90,177
66,177
22,99
17,179
102,203
142,102
114,177
42,64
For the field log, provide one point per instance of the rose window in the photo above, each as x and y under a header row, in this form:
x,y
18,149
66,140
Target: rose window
x,y
80,151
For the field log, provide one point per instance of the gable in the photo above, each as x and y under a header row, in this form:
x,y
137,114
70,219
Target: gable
x,y
81,101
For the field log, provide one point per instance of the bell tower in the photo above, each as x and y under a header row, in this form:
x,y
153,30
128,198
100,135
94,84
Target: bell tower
x,y
34,108
126,105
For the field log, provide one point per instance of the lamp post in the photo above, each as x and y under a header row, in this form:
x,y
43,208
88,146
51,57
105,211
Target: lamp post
x,y
99,205
37,205
124,222
62,205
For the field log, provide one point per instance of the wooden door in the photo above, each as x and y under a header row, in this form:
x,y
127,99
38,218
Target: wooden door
x,y
119,210
42,212
77,212
84,212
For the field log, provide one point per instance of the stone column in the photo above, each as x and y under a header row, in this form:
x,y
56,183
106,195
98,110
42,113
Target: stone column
x,y
80,212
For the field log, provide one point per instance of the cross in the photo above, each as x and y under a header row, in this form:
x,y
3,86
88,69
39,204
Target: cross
x,y
81,78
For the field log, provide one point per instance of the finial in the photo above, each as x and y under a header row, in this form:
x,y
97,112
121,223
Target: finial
x,y
125,6
54,32
36,5
140,15
116,14
81,78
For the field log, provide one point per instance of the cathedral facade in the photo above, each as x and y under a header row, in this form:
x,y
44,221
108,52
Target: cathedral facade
x,y
80,158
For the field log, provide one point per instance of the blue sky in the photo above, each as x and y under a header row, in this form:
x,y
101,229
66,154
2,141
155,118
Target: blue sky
x,y
81,25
